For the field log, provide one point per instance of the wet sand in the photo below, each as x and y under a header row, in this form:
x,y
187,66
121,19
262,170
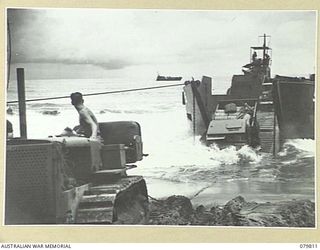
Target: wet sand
x,y
221,191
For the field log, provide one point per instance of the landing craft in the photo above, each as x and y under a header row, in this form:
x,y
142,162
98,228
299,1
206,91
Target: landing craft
x,y
168,78
283,107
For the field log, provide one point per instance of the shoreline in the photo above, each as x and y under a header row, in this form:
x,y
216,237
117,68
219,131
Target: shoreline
x,y
178,210
219,192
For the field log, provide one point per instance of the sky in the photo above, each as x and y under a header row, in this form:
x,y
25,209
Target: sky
x,y
102,43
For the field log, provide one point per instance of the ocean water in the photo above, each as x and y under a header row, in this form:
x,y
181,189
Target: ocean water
x,y
177,162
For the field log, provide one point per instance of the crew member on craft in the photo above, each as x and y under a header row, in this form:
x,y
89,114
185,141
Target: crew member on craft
x,y
88,122
246,113
266,59
254,56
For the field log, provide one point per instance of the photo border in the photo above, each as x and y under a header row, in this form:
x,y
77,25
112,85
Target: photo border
x,y
123,234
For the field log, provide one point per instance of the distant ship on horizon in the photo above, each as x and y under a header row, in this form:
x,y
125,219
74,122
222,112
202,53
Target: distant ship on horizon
x,y
168,78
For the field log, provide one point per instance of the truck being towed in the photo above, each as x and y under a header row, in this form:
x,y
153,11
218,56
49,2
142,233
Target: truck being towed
x,y
234,122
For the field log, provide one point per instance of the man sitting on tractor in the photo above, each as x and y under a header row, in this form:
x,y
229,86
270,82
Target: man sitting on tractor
x,y
88,122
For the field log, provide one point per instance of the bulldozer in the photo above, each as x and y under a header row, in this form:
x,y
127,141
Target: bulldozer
x,y
75,180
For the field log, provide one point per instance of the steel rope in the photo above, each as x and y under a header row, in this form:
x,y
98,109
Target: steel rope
x,y
101,93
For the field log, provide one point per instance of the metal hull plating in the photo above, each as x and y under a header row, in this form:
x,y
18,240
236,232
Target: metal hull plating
x,y
294,105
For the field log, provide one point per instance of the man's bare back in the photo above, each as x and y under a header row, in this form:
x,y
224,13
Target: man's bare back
x,y
88,122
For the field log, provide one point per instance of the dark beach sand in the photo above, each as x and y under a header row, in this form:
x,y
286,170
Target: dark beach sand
x,y
178,210
236,202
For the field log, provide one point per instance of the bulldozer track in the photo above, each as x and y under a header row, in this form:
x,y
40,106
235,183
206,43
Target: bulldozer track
x,y
101,203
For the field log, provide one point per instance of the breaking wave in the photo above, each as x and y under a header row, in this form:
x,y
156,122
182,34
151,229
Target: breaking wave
x,y
44,105
298,148
189,160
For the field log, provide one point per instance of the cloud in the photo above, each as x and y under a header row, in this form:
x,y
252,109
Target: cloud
x,y
117,39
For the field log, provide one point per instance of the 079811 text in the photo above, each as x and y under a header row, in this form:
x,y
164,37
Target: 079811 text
x,y
308,246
